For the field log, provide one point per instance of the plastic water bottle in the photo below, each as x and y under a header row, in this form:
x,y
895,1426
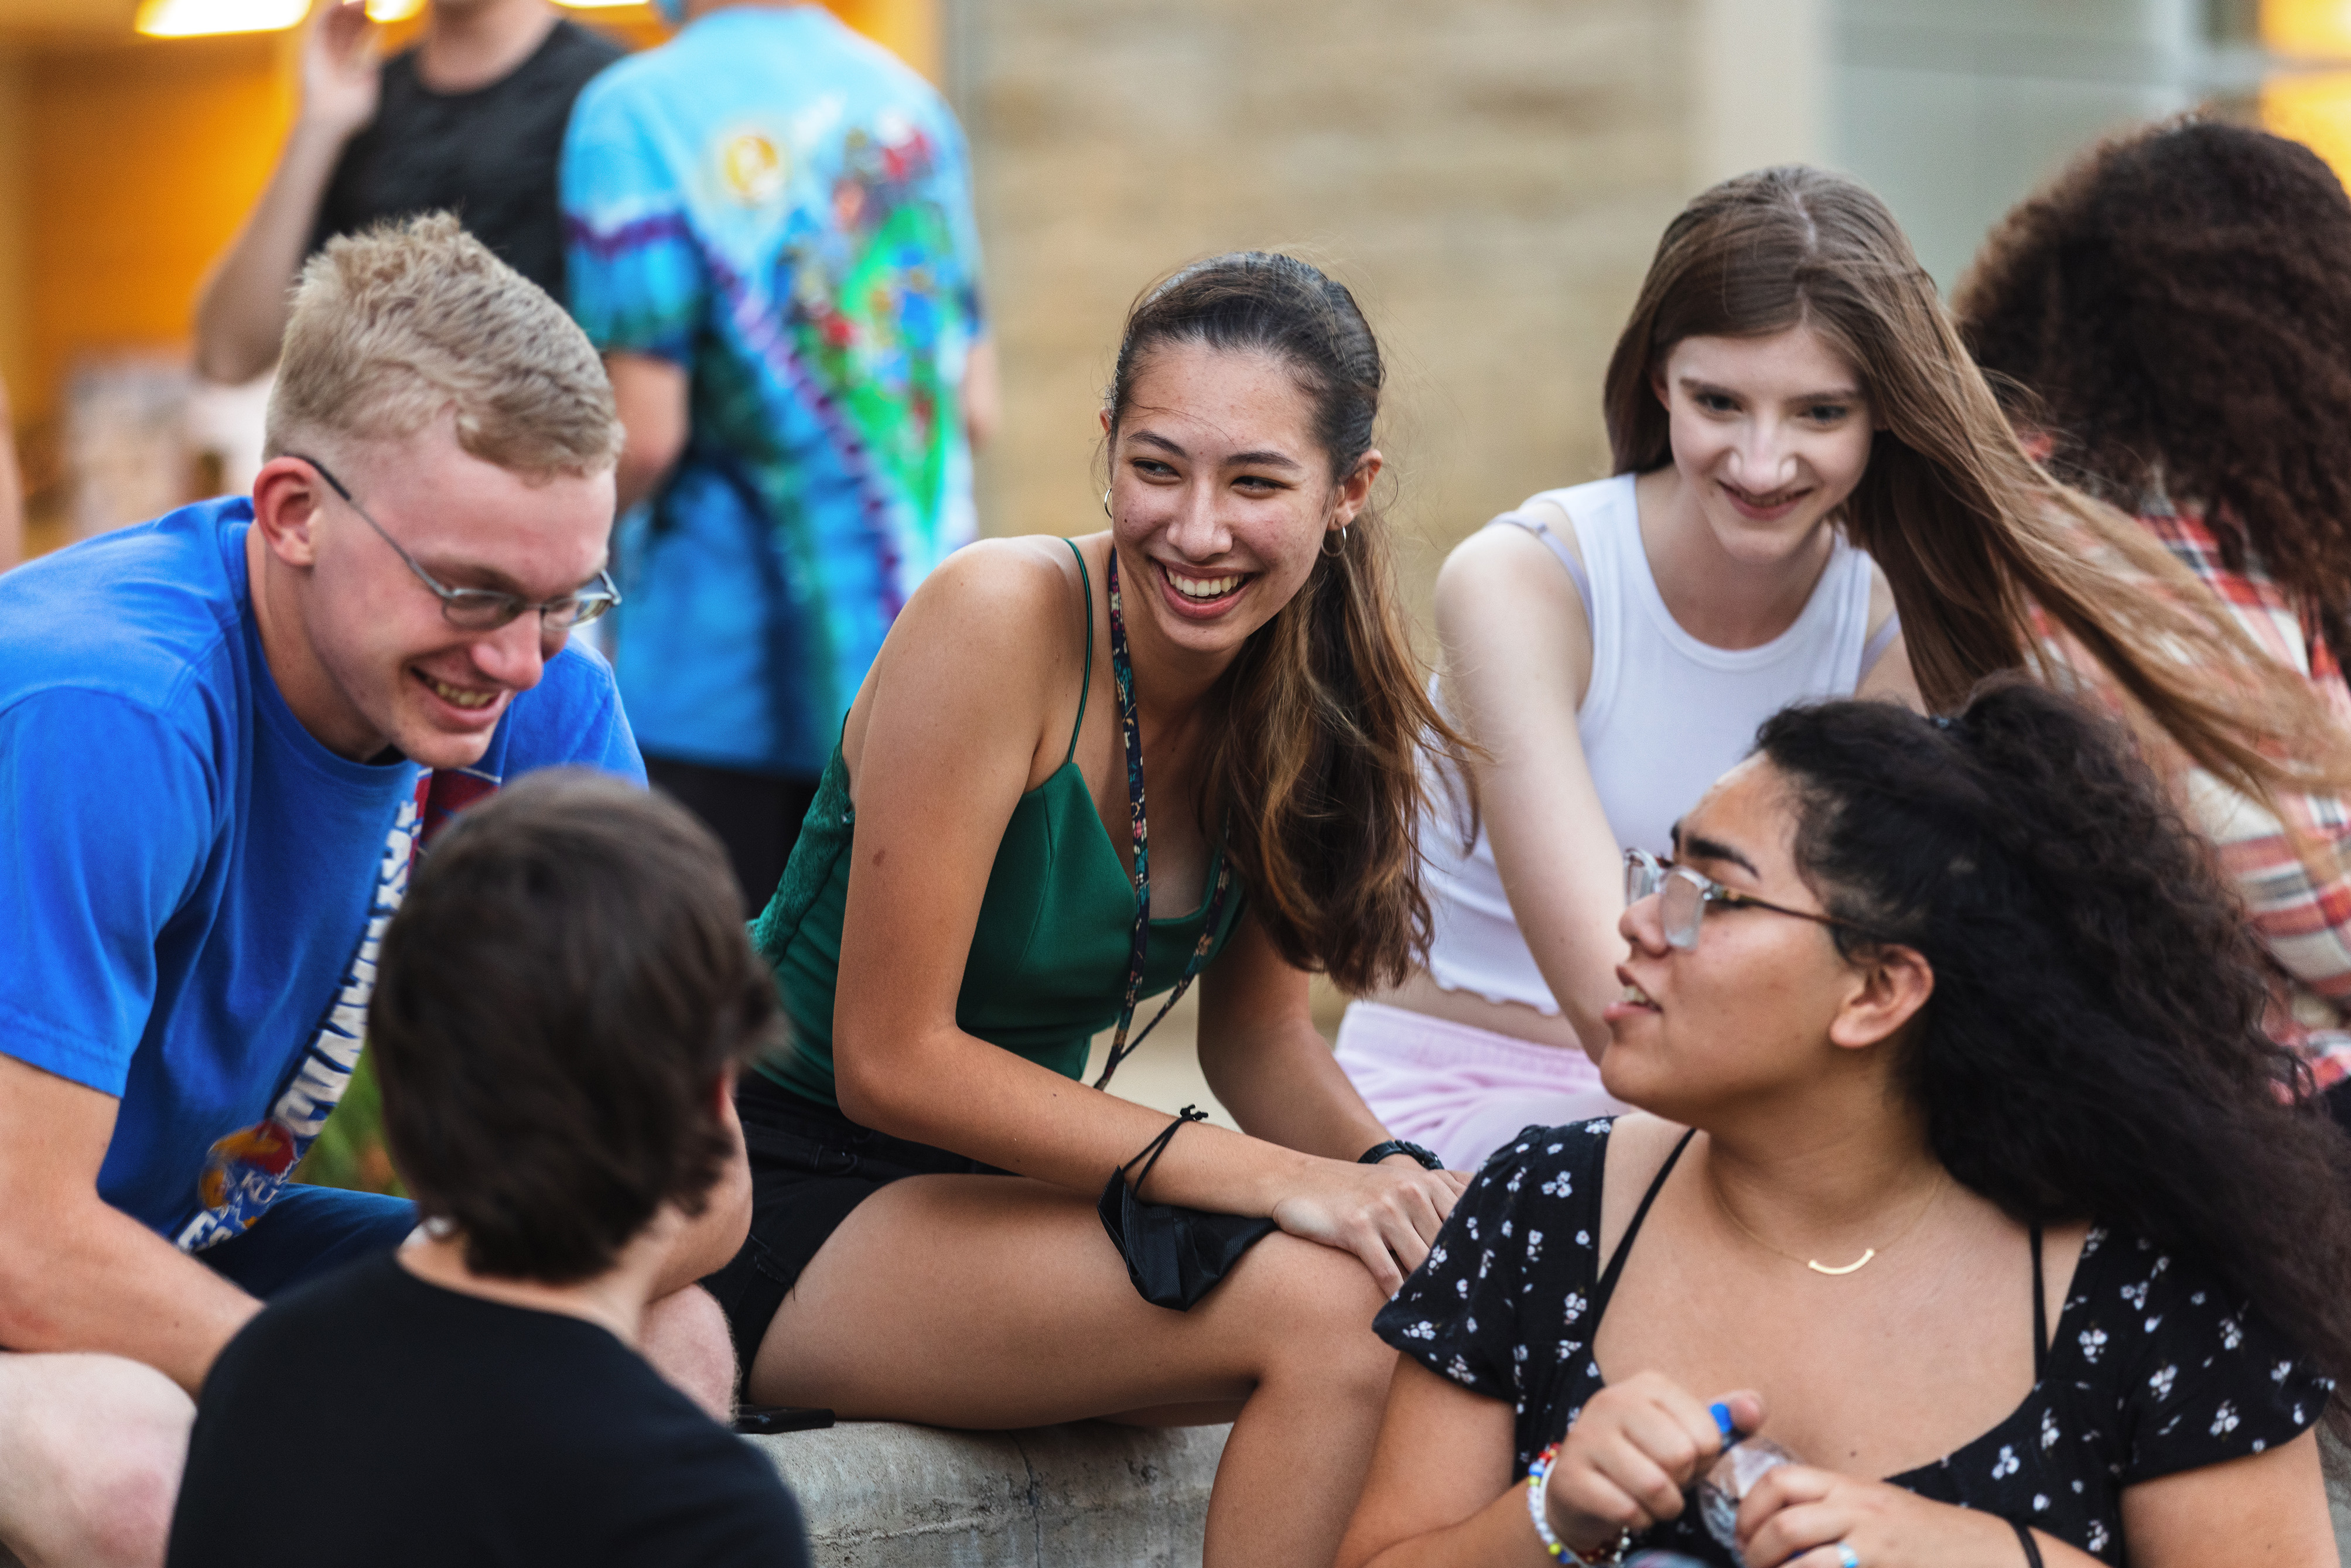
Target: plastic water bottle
x,y
1744,1461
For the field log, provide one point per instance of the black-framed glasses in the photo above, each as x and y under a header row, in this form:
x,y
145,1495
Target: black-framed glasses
x,y
1685,894
486,609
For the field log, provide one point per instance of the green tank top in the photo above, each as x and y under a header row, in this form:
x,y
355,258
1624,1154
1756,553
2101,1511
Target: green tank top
x,y
1046,969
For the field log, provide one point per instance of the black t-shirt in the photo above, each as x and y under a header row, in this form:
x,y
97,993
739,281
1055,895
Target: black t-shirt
x,y
489,155
2154,1369
369,1418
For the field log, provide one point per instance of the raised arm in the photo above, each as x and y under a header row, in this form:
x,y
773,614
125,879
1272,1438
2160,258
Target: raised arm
x,y
240,308
967,706
77,1273
12,490
652,394
1516,657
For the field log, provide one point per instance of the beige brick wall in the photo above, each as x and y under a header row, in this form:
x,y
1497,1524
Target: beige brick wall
x,y
1489,175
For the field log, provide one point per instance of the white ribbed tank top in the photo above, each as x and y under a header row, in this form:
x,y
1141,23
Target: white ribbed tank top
x,y
1663,716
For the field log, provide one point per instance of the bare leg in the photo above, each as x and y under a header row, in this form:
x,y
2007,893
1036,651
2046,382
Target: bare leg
x,y
684,1336
92,1447
995,1302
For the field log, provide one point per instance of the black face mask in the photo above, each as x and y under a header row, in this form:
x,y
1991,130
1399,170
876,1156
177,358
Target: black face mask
x,y
1175,1256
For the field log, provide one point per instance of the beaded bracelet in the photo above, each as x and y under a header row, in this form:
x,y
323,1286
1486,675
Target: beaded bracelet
x,y
1538,1509
1538,1484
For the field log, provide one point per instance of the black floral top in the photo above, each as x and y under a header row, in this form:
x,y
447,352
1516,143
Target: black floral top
x,y
2154,1369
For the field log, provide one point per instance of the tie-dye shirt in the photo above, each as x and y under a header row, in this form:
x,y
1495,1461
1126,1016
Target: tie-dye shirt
x,y
783,209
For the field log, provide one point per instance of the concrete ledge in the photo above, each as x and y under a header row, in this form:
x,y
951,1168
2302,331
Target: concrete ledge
x,y
881,1495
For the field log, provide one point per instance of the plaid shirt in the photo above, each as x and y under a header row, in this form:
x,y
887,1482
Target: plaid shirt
x,y
2304,919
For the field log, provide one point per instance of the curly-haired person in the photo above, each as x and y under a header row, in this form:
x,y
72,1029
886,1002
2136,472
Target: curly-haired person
x,y
2169,320
1962,1172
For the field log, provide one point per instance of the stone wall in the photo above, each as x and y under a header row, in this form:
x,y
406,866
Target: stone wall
x,y
1489,175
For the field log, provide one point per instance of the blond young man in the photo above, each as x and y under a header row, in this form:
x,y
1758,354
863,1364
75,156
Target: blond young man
x,y
224,735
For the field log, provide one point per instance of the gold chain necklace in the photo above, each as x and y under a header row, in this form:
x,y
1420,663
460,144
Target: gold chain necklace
x,y
1817,1266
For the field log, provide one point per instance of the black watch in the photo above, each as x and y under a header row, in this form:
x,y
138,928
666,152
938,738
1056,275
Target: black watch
x,y
1379,1152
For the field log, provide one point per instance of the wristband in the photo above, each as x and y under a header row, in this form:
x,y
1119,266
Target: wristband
x,y
1379,1152
1538,1510
1538,1495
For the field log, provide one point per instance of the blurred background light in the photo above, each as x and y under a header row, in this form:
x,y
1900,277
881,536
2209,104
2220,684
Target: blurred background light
x,y
2307,28
199,18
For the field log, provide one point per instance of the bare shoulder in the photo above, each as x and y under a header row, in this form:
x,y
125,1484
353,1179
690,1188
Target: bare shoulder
x,y
1638,1147
1510,568
985,644
1881,597
1007,577
994,605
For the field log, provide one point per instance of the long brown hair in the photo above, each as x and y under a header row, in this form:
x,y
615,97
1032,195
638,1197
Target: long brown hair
x,y
1323,719
2174,313
1972,533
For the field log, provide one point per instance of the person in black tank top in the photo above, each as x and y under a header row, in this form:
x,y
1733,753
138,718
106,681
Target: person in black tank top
x,y
1964,1164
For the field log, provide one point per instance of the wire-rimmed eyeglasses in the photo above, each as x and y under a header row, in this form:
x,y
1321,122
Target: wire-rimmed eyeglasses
x,y
1684,896
486,609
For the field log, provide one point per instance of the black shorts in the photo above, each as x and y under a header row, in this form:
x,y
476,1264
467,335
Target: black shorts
x,y
809,1166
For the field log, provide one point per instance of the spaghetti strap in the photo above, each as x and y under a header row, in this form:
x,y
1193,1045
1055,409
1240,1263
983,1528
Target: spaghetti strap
x,y
1086,681
1607,1286
2039,1313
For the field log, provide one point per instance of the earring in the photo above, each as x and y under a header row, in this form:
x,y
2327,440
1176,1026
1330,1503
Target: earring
x,y
1106,503
1335,554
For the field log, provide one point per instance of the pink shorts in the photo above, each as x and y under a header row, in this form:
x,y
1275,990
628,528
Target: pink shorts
x,y
1463,1092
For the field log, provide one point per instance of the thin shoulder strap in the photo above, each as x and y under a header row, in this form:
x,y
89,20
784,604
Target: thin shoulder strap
x,y
1607,1286
1543,530
2040,1312
1086,681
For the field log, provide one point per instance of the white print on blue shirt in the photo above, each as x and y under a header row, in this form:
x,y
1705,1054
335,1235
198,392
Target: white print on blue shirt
x,y
245,1171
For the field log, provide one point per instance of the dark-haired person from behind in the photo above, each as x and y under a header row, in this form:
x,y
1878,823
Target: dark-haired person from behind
x,y
2169,320
1961,1170
563,1000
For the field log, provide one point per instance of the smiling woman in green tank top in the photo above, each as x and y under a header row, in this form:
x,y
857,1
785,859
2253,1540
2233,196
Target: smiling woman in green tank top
x,y
984,884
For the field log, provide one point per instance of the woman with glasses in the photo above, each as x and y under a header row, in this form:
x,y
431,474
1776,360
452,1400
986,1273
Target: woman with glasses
x,y
1788,406
1963,1172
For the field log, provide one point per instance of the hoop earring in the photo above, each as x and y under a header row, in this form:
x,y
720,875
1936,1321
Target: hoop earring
x,y
1329,554
1106,511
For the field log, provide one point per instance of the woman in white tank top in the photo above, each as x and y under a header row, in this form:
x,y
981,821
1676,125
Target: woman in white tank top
x,y
1613,648
1789,394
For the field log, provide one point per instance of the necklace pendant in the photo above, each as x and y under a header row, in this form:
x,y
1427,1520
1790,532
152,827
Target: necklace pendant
x,y
1819,1268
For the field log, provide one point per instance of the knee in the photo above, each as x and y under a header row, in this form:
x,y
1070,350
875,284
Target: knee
x,y
97,1463
685,1338
1315,1307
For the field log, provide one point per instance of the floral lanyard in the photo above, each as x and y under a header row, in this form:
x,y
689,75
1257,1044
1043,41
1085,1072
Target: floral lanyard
x,y
1122,672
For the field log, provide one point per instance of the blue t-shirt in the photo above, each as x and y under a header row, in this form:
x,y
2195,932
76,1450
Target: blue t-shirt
x,y
784,209
191,887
